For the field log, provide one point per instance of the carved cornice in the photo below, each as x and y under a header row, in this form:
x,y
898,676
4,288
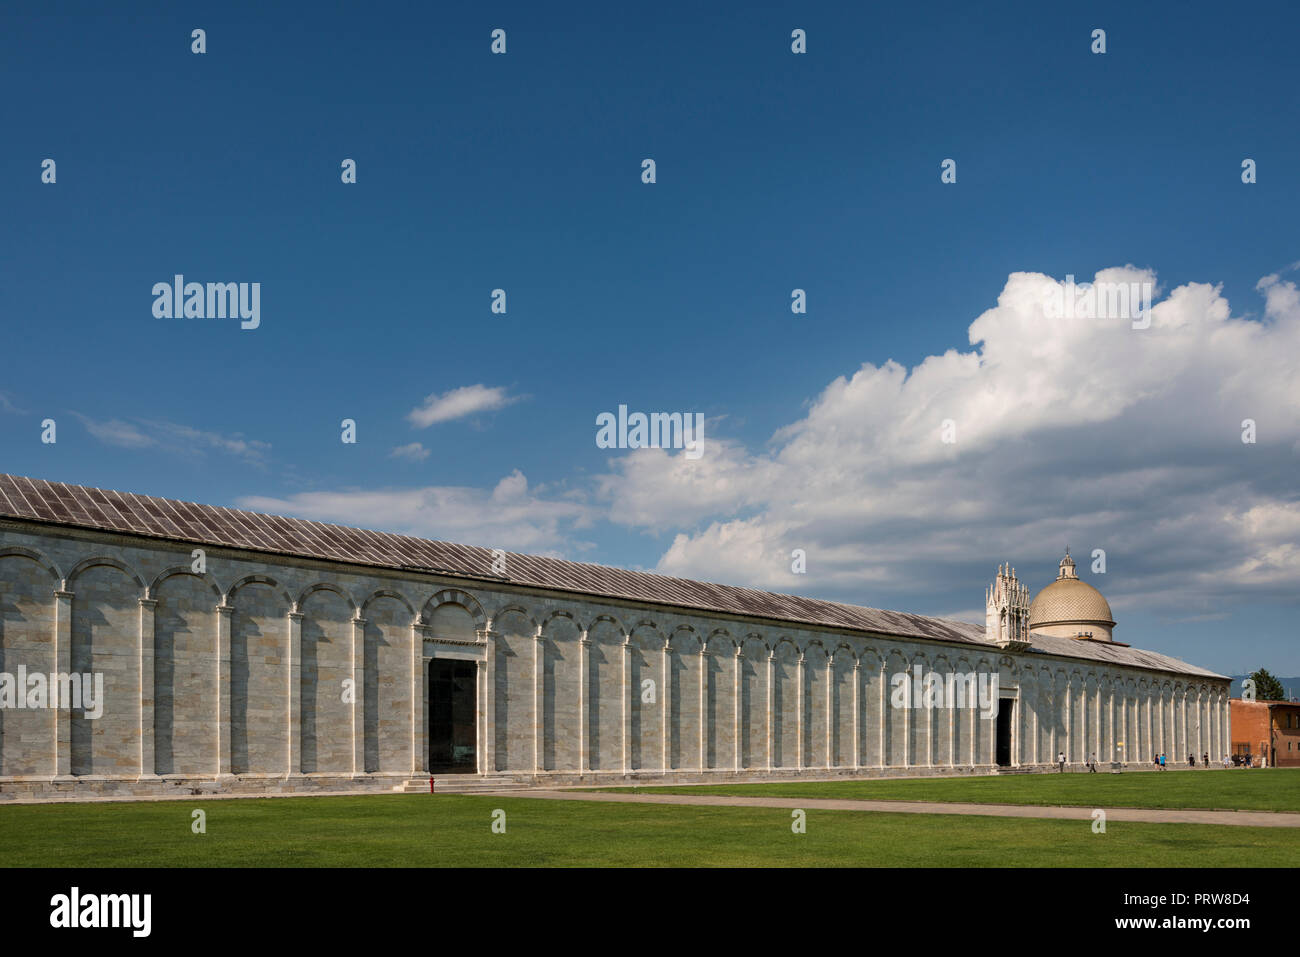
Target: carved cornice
x,y
463,642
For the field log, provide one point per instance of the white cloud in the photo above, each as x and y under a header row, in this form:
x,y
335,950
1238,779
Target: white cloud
x,y
1085,431
414,452
511,516
124,435
172,437
458,403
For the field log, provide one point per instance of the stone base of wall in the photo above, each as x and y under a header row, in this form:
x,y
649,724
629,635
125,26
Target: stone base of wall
x,y
82,787
746,776
144,788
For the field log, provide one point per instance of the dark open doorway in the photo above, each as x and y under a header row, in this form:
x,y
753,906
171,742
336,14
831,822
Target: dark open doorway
x,y
453,716
1006,712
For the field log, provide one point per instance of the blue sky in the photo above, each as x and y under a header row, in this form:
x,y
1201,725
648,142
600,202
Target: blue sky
x,y
775,171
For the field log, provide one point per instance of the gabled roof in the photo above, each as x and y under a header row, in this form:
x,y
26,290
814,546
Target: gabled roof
x,y
57,503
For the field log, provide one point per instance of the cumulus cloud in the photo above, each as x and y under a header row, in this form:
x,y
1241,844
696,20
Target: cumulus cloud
x,y
459,403
512,515
1086,431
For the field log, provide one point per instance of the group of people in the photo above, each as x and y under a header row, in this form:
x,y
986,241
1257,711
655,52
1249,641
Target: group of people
x,y
1090,762
1160,761
1246,761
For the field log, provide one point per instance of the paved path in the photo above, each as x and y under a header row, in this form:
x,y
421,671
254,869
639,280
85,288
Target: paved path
x,y
1147,815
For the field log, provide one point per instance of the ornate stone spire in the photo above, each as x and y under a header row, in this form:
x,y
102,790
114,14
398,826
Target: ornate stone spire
x,y
1006,618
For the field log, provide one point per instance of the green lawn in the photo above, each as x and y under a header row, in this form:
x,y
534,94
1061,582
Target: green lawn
x,y
1259,789
424,831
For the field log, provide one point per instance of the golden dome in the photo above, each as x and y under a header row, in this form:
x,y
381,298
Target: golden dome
x,y
1069,601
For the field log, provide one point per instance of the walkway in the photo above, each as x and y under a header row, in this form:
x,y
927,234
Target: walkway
x,y
1144,815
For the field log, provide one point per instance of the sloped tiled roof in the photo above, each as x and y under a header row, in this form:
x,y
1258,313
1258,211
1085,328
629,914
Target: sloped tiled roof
x,y
57,503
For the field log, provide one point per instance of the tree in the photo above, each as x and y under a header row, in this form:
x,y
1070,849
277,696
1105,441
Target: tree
x,y
1267,688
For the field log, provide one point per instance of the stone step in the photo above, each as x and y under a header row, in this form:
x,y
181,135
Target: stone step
x,y
460,785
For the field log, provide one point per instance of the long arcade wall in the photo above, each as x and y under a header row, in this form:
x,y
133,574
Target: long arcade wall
x,y
242,671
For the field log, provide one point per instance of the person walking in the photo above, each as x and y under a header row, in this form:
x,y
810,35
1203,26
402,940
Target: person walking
x,y
1191,760
1092,764
1206,758
1162,762
1060,762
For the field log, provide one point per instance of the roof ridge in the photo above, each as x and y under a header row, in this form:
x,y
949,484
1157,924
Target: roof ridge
x,y
597,566
156,516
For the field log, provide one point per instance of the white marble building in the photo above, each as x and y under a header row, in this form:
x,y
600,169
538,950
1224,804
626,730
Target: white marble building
x,y
253,652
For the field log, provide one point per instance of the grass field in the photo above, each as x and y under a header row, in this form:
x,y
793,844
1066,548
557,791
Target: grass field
x,y
455,831
1259,789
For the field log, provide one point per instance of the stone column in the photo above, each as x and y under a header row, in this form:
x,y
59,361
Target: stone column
x,y
830,711
857,714
1037,733
1125,736
801,731
1110,719
1181,718
1202,724
1096,726
62,717
584,666
1162,713
489,639
1021,752
627,704
952,735
358,696
736,678
294,694
907,721
1225,730
1139,751
224,613
1053,724
706,713
539,713
480,714
419,751
929,725
1068,721
771,683
883,716
1150,729
1211,725
666,706
147,607
993,739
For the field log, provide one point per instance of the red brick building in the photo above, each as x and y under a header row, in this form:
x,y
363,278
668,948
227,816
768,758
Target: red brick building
x,y
1269,728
